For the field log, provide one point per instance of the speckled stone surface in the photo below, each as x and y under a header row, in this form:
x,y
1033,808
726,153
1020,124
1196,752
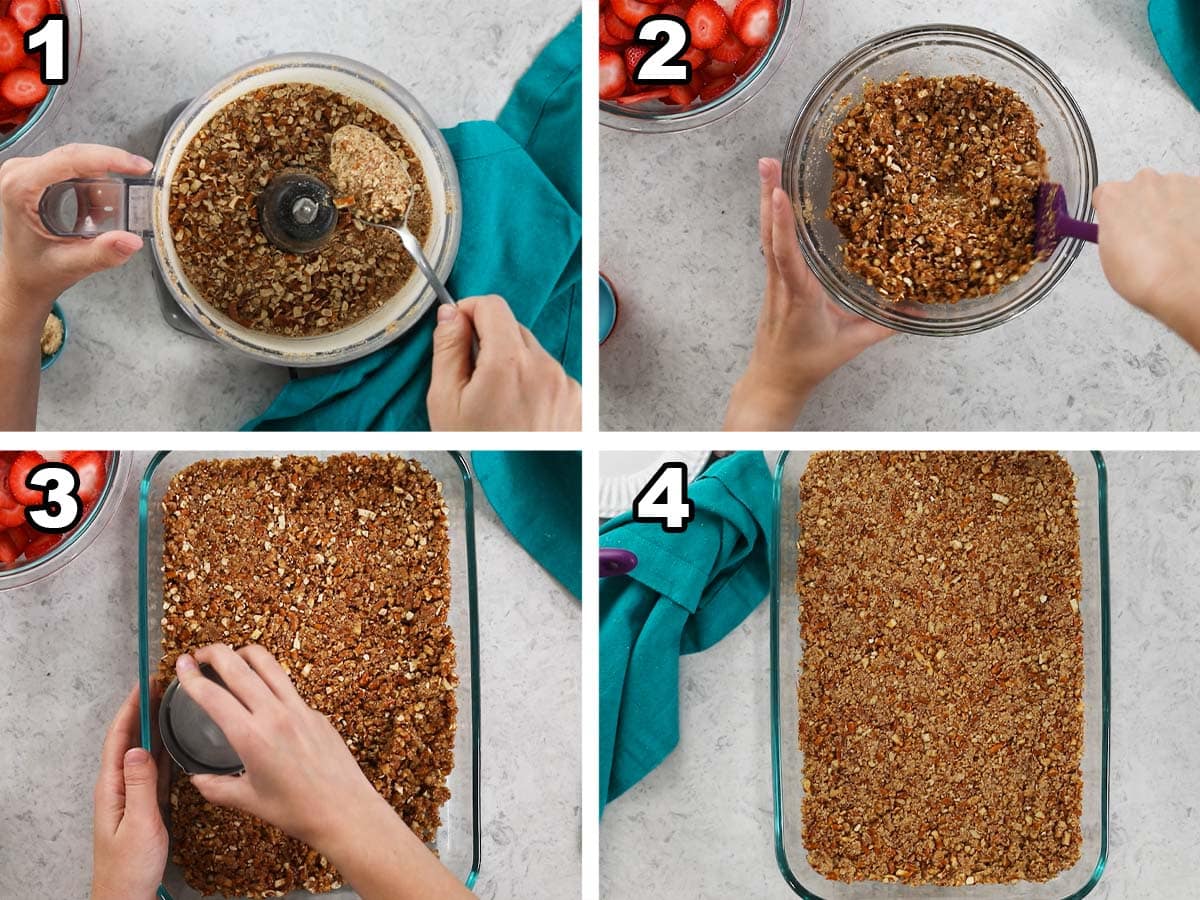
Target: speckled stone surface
x,y
700,826
125,368
68,656
679,237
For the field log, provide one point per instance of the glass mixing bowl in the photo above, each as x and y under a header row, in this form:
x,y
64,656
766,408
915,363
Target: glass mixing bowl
x,y
24,574
935,50
42,117
658,117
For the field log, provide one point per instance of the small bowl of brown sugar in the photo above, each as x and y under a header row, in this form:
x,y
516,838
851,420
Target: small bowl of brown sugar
x,y
914,168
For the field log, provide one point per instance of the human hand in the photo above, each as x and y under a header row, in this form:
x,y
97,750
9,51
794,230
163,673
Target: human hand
x,y
129,850
802,334
1150,246
513,385
300,776
35,266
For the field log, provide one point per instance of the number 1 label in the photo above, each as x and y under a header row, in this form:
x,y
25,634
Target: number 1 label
x,y
50,40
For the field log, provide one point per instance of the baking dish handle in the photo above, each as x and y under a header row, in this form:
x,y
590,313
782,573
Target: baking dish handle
x,y
87,207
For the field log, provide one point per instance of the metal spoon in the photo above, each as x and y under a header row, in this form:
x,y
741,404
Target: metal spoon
x,y
413,246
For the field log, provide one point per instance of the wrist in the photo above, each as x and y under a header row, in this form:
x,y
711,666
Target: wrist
x,y
23,312
763,404
355,826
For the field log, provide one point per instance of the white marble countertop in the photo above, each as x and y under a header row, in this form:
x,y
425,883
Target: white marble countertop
x,y
700,826
679,238
68,657
124,368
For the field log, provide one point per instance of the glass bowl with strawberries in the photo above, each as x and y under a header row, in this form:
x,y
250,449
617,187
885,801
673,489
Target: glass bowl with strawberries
x,y
28,555
735,47
27,105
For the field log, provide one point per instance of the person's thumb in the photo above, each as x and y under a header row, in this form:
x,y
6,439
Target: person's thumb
x,y
222,790
452,339
107,251
141,788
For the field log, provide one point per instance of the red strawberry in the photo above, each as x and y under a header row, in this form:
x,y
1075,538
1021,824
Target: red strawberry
x,y
750,60
607,38
695,56
12,514
9,552
715,89
717,69
23,89
708,24
21,467
12,45
28,14
20,537
756,21
620,30
729,50
41,545
612,75
645,96
89,466
634,54
681,94
678,10
631,12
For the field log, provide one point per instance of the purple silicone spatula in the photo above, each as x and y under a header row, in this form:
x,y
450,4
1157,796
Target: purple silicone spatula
x,y
1053,223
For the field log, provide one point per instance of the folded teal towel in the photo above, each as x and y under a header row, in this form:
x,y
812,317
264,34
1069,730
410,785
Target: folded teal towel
x,y
521,188
539,498
1176,27
688,591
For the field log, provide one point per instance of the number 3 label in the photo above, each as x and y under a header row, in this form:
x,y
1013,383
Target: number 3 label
x,y
61,508
664,500
51,39
662,65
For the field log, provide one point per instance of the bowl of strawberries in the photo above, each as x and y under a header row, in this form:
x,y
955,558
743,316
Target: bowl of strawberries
x,y
733,47
28,105
28,554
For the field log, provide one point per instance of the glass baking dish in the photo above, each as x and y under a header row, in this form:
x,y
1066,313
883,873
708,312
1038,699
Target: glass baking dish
x,y
458,839
788,762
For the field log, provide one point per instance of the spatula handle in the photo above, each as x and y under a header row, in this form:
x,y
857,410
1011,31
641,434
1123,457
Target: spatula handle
x,y
1077,228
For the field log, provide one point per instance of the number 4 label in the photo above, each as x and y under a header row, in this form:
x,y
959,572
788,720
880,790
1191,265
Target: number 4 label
x,y
50,38
664,501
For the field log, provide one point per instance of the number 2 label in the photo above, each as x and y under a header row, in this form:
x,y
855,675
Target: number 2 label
x,y
664,500
50,40
663,65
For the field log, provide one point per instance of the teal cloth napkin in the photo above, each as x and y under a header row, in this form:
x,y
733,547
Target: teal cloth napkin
x,y
521,188
539,498
688,591
1176,27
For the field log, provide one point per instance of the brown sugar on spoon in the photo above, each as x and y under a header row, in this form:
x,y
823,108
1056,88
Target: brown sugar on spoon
x,y
341,569
941,685
935,186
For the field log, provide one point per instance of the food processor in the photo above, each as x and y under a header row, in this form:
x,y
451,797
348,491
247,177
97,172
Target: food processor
x,y
295,210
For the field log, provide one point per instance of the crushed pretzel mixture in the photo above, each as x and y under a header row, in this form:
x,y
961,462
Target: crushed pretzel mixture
x,y
341,569
221,245
935,185
941,710
368,171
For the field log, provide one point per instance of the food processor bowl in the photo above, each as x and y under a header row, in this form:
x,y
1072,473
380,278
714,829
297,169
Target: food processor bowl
x,y
144,206
935,51
44,114
656,116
